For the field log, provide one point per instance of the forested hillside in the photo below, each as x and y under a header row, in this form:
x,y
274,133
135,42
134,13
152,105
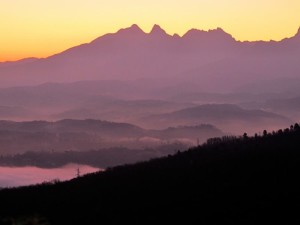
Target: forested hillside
x,y
229,180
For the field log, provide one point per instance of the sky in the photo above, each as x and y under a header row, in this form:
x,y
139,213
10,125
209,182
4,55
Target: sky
x,y
40,28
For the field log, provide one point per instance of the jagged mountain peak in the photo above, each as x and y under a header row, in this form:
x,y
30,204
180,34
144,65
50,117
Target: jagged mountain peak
x,y
216,33
131,53
157,31
134,28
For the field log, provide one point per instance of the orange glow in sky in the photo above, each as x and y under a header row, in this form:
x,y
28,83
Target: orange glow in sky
x,y
39,28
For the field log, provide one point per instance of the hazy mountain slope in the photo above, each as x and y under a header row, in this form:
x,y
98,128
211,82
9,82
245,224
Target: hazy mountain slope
x,y
105,127
286,106
65,135
114,109
286,86
18,62
230,180
16,113
106,100
199,133
228,117
76,93
61,94
201,57
84,135
100,158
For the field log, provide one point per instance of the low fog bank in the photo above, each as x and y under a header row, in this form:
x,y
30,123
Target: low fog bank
x,y
85,135
150,104
102,158
22,176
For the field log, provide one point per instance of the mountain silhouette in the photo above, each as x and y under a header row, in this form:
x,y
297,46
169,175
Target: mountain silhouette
x,y
210,60
158,32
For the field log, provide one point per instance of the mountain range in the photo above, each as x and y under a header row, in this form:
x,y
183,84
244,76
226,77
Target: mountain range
x,y
205,60
202,77
132,96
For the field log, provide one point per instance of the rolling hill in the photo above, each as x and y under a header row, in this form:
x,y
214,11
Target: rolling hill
x,y
229,117
85,135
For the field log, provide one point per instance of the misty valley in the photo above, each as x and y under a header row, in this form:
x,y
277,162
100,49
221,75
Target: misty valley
x,y
29,175
94,123
187,121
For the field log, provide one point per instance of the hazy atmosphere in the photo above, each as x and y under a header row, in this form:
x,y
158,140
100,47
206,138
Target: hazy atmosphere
x,y
111,109
131,96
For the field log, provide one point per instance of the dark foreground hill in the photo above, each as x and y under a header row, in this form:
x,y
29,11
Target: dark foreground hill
x,y
230,180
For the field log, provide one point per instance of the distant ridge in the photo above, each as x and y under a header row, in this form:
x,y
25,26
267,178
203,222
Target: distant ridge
x,y
157,29
228,117
21,61
205,59
83,135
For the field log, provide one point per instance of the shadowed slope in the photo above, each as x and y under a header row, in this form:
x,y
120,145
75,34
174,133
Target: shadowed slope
x,y
230,180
